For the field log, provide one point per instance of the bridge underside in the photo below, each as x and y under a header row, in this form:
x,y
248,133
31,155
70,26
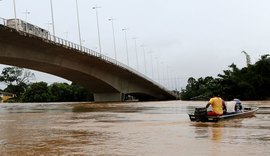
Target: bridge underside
x,y
106,80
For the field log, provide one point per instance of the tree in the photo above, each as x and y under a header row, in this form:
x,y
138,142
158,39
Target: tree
x,y
262,74
247,58
17,79
249,83
37,92
16,75
81,93
18,90
56,92
61,92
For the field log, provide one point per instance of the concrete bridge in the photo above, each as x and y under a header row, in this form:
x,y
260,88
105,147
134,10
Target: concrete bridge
x,y
108,79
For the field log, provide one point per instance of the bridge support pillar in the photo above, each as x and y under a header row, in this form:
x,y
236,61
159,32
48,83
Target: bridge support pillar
x,y
109,97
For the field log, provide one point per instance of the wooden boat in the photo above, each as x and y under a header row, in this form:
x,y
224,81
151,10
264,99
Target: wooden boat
x,y
200,115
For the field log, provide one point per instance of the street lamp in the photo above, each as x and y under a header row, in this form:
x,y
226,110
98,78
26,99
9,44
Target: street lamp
x,y
158,76
125,31
26,13
48,25
66,33
151,57
163,74
83,41
115,55
168,78
96,8
52,18
135,44
15,14
143,46
78,19
26,24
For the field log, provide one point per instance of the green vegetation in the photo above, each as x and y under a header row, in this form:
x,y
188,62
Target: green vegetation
x,y
56,92
249,83
18,80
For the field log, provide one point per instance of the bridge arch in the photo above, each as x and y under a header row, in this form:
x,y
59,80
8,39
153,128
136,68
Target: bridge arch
x,y
108,81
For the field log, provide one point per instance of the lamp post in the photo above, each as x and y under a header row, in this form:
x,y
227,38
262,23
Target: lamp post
x,y
1,0
26,13
163,74
96,8
158,76
143,47
152,69
125,31
66,33
15,14
135,44
168,78
53,18
48,25
26,24
78,20
115,54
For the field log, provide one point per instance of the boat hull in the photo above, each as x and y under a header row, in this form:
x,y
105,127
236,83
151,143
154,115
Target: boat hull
x,y
247,112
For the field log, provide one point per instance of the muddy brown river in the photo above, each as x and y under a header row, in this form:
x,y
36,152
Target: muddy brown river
x,y
128,129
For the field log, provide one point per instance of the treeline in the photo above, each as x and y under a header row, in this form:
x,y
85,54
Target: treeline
x,y
18,82
249,83
56,92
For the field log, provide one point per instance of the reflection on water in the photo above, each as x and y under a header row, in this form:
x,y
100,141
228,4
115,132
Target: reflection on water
x,y
208,130
150,128
217,134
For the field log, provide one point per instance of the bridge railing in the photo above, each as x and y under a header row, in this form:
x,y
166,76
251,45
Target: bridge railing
x,y
68,44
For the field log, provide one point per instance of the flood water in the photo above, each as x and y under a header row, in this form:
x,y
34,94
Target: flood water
x,y
128,129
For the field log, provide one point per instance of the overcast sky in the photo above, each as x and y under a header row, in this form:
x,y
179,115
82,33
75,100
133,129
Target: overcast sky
x,y
187,38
